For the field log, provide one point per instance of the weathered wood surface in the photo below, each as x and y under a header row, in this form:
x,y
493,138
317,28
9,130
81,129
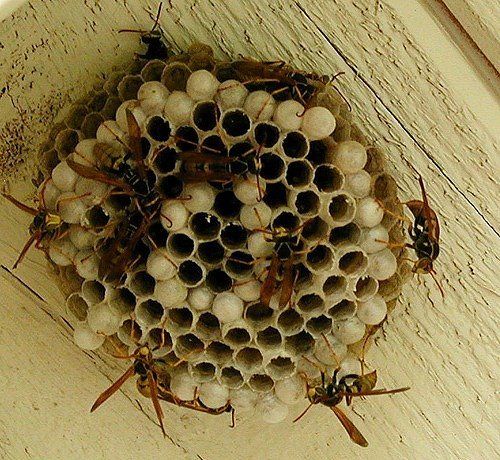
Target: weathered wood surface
x,y
403,85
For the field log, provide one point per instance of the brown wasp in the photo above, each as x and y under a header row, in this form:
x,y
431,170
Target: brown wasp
x,y
165,394
278,78
46,225
286,248
153,40
424,232
349,386
145,366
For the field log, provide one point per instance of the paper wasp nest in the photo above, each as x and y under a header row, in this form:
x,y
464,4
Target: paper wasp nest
x,y
194,278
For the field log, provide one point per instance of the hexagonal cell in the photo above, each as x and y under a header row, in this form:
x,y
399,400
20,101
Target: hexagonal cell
x,y
290,322
90,125
350,233
248,359
299,344
237,335
310,302
239,264
77,306
142,284
261,383
218,281
272,167
269,338
334,285
149,313
93,292
365,288
122,301
328,178
226,205
305,203
153,70
340,209
181,245
344,309
128,87
205,115
130,332
319,325
180,318
259,315
294,145
219,352
66,141
211,253
175,76
231,377
352,261
280,367
75,116
321,151
191,273
160,338
205,226
298,174
203,371
158,128
314,229
319,259
188,345
208,326
234,235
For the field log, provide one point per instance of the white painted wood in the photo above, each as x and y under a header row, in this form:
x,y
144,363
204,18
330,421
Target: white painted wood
x,y
7,7
411,103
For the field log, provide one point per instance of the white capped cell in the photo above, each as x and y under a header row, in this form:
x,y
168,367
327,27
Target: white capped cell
x,y
183,386
358,184
248,291
318,123
160,266
92,191
50,194
202,197
87,264
62,252
213,394
291,390
373,311
349,331
330,351
200,298
249,191
170,293
64,177
369,212
86,338
288,115
255,216
121,114
350,157
109,132
231,93
271,409
71,208
243,399
374,239
202,85
382,265
103,320
178,107
227,307
259,105
152,96
259,245
84,152
173,215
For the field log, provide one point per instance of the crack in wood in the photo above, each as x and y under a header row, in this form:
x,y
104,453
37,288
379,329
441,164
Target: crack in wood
x,y
399,122
27,286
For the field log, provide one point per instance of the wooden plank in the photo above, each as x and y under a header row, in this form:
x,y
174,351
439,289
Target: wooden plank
x,y
409,104
480,19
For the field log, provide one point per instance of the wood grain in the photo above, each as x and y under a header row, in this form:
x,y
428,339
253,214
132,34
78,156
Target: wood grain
x,y
408,101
